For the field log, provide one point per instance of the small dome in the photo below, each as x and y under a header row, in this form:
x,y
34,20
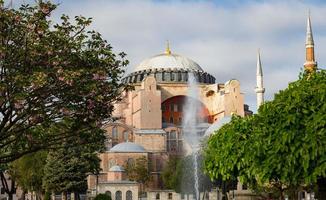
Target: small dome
x,y
116,168
168,61
128,147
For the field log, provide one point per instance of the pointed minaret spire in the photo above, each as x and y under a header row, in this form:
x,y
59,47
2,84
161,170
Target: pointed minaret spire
x,y
310,65
260,90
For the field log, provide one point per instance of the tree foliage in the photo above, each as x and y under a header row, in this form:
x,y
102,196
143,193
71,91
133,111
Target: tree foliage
x,y
139,170
178,175
66,168
282,147
50,74
28,171
171,173
102,197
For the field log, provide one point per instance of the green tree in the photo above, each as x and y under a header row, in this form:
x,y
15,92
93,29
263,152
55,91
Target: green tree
x,y
66,168
103,197
178,175
139,171
28,172
51,73
280,148
171,173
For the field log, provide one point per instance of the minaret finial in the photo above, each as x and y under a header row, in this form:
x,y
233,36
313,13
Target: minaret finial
x,y
310,65
259,68
260,90
167,50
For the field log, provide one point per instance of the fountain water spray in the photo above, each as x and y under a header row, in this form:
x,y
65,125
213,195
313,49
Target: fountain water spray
x,y
190,120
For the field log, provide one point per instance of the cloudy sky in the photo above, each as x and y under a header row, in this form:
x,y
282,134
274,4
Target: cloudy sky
x,y
221,36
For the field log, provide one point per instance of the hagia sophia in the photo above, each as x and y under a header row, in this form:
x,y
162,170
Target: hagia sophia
x,y
148,119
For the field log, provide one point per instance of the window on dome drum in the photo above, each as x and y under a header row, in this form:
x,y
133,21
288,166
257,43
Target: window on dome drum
x,y
128,195
118,195
115,132
186,76
172,76
179,76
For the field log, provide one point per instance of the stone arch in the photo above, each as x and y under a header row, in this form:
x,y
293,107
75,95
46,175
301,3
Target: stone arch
x,y
129,195
116,132
157,196
109,193
172,111
118,195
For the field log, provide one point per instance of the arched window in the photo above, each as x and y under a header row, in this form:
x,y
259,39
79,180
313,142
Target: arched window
x,y
128,195
118,195
179,76
173,135
115,132
157,196
174,141
108,193
130,161
111,163
125,136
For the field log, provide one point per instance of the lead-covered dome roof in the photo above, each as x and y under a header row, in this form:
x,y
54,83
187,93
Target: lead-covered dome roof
x,y
169,68
128,147
116,168
168,61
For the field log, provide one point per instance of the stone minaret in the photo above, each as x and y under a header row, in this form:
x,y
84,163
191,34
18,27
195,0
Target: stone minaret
x,y
310,65
260,90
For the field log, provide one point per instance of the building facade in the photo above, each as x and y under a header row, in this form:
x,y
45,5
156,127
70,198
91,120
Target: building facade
x,y
149,118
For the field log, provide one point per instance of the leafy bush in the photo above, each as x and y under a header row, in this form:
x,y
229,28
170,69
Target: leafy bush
x,y
103,197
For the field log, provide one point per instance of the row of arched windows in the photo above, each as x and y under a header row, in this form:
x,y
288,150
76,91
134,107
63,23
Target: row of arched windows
x,y
118,195
173,76
115,134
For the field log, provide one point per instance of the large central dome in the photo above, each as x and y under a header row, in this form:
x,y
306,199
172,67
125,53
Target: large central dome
x,y
168,61
169,68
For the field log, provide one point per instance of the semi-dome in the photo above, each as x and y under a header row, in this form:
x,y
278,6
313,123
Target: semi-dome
x,y
217,125
128,147
116,168
168,61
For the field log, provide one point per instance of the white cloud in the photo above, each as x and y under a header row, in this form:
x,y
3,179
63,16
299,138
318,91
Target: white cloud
x,y
222,39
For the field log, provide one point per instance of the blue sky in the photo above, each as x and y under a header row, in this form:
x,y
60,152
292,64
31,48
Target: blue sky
x,y
221,36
